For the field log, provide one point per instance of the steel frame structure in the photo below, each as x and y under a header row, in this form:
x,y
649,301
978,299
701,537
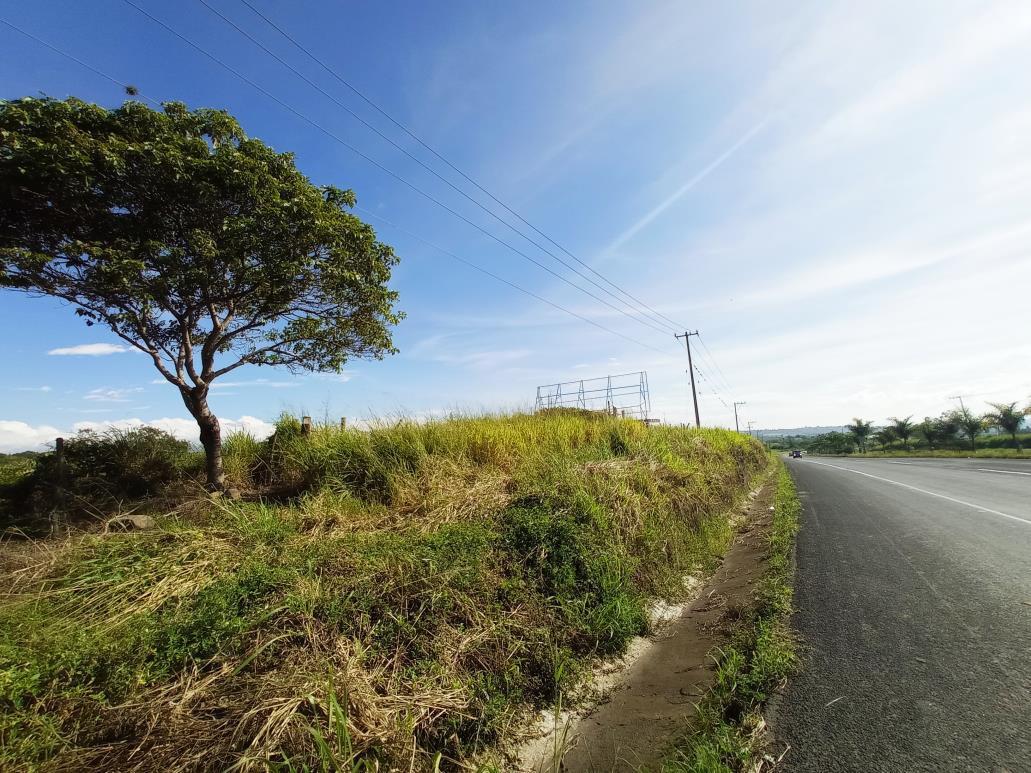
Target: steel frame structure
x,y
622,394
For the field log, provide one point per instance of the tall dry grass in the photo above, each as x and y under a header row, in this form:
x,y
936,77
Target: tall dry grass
x,y
403,596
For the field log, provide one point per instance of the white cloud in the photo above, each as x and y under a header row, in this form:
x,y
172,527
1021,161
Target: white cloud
x,y
33,389
19,436
106,395
342,377
91,350
185,429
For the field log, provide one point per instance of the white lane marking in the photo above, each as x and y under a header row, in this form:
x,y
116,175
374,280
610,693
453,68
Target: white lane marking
x,y
925,491
1004,472
900,463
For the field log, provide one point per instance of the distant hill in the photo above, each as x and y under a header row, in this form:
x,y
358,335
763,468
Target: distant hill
x,y
803,431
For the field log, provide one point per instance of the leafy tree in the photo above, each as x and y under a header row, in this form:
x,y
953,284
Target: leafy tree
x,y
828,443
885,436
200,246
948,427
902,429
931,431
970,425
1008,418
860,430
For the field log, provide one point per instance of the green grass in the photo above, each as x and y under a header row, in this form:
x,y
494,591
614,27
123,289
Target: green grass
x,y
726,734
16,467
414,589
980,453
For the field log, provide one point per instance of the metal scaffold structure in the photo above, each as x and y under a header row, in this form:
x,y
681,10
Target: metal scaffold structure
x,y
624,394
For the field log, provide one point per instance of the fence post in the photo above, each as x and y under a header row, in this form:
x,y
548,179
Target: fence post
x,y
306,425
58,514
343,422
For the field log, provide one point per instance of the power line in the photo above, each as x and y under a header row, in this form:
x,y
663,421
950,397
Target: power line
x,y
468,263
369,101
367,212
501,279
715,365
713,387
644,319
318,126
72,57
365,157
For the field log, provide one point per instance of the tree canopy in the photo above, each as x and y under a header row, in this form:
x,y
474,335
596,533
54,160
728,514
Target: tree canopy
x,y
860,430
1008,418
204,248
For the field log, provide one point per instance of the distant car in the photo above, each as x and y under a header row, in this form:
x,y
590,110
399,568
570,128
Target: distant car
x,y
796,454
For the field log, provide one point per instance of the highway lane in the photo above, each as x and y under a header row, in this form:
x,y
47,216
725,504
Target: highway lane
x,y
913,598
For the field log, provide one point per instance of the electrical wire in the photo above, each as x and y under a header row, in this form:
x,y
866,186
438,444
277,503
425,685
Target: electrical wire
x,y
715,364
634,313
458,258
501,279
369,101
72,57
364,211
312,122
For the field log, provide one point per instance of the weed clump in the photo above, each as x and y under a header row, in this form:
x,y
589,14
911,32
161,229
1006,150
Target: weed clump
x,y
407,589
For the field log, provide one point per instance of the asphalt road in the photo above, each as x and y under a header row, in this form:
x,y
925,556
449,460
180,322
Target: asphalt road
x,y
913,598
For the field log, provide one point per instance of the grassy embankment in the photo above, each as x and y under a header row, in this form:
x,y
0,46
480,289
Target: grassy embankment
x,y
407,596
727,734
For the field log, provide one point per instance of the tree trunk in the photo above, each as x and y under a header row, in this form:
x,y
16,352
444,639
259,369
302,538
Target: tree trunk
x,y
210,436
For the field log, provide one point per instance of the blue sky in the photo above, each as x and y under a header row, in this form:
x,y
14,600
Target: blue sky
x,y
836,196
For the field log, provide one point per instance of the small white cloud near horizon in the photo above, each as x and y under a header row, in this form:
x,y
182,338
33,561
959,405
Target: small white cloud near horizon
x,y
184,429
20,436
90,350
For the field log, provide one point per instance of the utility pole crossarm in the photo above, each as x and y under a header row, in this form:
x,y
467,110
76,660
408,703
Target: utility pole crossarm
x,y
690,369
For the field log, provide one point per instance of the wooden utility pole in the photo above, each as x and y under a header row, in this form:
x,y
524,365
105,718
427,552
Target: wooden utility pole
x,y
737,427
690,369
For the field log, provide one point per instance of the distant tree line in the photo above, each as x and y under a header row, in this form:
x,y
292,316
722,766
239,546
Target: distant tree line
x,y
956,429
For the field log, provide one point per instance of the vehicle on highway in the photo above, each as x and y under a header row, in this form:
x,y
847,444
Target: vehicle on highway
x,y
796,454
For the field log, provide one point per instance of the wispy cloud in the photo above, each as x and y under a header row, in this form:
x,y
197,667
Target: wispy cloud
x,y
680,192
256,382
106,395
33,389
90,350
972,45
